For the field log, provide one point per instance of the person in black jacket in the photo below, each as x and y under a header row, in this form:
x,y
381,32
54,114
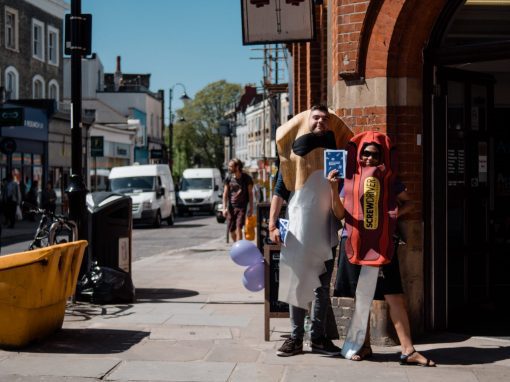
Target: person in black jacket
x,y
49,198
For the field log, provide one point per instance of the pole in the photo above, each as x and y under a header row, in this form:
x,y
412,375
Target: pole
x,y
230,143
2,102
171,122
76,189
95,173
170,132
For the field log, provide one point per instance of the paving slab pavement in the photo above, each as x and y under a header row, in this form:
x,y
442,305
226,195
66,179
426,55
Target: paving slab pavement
x,y
194,321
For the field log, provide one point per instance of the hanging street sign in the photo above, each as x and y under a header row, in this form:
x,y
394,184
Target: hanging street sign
x,y
12,116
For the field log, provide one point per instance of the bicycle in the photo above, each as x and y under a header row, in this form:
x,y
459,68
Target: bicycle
x,y
52,228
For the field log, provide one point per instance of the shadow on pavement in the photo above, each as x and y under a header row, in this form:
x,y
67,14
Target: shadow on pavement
x,y
152,295
82,311
189,225
88,341
164,226
442,338
468,355
462,355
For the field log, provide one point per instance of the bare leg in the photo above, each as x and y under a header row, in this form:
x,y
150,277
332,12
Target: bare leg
x,y
398,314
239,233
233,236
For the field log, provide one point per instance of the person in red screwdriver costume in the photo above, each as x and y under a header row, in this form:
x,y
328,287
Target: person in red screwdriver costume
x,y
370,199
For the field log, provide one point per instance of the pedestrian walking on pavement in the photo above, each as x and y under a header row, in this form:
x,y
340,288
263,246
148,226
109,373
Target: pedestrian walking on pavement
x,y
237,198
306,257
12,200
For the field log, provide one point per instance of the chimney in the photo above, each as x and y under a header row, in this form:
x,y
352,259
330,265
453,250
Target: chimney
x,y
117,76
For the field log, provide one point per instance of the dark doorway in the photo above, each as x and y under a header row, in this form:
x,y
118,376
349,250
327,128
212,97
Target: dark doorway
x,y
467,80
477,204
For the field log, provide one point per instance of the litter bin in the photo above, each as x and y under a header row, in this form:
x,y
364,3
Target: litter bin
x,y
110,224
109,229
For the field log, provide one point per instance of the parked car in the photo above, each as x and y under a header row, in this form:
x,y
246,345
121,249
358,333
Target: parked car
x,y
152,190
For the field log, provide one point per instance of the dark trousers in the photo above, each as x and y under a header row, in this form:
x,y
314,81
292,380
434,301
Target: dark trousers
x,y
321,309
10,213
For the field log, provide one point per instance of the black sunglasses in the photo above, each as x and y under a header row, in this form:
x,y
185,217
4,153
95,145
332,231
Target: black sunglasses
x,y
374,154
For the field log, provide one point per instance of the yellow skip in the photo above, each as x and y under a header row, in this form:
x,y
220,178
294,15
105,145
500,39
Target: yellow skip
x,y
34,288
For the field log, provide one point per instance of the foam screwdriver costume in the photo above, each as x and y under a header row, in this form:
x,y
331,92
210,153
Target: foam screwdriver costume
x,y
370,202
311,231
370,222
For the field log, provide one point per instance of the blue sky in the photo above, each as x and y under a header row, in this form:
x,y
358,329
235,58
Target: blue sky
x,y
194,42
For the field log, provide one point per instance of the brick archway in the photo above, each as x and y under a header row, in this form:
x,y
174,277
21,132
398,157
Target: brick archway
x,y
378,79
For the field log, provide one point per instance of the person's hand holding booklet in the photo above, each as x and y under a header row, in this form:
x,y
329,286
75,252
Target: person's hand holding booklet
x,y
283,227
335,160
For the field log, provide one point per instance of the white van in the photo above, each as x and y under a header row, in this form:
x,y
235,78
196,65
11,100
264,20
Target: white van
x,y
150,187
199,190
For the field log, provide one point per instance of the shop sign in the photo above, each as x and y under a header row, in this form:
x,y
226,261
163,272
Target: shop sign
x,y
121,150
263,23
96,146
156,154
34,126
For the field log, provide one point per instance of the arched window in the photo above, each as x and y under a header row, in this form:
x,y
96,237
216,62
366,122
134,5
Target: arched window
x,y
53,90
11,83
38,90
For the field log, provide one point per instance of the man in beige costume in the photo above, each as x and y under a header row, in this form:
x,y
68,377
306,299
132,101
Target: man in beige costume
x,y
306,260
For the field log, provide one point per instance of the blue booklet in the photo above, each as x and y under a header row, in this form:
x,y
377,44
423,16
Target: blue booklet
x,y
335,160
283,227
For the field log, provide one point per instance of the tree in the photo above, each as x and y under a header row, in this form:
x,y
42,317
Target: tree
x,y
197,141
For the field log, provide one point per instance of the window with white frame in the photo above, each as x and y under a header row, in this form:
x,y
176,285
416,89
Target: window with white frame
x,y
38,39
38,87
53,40
53,90
11,28
11,83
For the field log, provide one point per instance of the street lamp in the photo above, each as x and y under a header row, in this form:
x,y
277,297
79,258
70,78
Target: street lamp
x,y
183,98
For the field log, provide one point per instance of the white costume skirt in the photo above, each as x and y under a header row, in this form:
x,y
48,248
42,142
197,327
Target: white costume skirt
x,y
311,235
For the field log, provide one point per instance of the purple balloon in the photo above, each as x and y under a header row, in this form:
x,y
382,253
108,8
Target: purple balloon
x,y
253,277
245,253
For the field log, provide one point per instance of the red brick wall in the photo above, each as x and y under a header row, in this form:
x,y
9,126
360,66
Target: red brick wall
x,y
317,61
406,123
384,36
302,76
295,78
300,62
365,118
348,18
310,66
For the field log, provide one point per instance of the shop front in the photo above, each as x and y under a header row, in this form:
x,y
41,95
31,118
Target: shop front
x,y
28,161
468,71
